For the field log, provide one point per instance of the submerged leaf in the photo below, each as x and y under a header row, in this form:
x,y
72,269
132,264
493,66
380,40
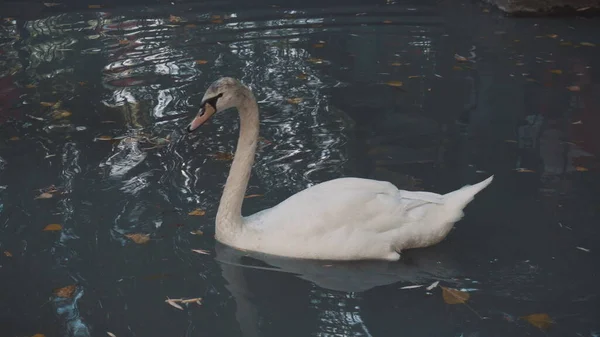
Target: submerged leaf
x,y
138,238
319,45
7,253
541,321
201,61
65,292
302,76
295,100
574,88
197,212
14,138
175,19
454,296
53,227
394,83
556,71
581,169
61,114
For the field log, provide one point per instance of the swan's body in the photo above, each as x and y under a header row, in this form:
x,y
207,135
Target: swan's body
x,y
340,219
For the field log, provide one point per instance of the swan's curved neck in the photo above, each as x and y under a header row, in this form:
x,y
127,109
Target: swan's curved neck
x,y
229,215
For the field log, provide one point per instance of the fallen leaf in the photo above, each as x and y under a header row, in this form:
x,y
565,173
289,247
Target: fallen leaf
x,y
552,36
190,25
253,196
94,6
565,43
587,44
294,100
301,76
223,156
123,42
581,169
201,61
541,321
315,60
217,21
556,71
13,138
485,10
394,83
460,58
197,232
44,195
524,170
396,64
30,86
111,334
47,104
414,76
319,45
82,83
197,212
574,88
61,114
433,285
65,292
454,296
583,249
7,253
190,300
138,238
412,287
201,251
583,9
52,227
387,21
175,19
173,304
104,138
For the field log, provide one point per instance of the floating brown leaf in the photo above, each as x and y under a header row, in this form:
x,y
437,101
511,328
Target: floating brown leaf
x,y
217,21
552,36
47,104
197,232
587,44
138,238
65,292
223,156
574,88
172,302
253,196
581,169
301,76
460,58
201,251
201,61
295,100
524,170
175,19
319,45
123,42
454,296
52,227
197,212
7,253
104,138
394,83
414,76
44,195
541,321
556,71
94,6
14,138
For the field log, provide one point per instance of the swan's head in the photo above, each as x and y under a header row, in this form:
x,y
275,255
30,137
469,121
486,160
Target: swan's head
x,y
222,94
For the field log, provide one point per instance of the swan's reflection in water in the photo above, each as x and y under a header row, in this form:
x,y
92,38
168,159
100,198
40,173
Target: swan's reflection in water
x,y
336,290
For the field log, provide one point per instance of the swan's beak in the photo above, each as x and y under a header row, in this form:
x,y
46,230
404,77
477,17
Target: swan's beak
x,y
203,115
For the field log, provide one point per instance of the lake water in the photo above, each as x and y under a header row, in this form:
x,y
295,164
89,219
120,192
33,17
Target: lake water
x,y
429,95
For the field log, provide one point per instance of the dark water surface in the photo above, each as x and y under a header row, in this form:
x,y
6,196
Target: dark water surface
x,y
524,106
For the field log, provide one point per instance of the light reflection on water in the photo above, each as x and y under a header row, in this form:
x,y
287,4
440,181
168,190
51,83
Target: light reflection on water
x,y
132,79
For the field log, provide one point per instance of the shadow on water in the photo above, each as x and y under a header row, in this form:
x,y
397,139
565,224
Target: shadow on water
x,y
428,95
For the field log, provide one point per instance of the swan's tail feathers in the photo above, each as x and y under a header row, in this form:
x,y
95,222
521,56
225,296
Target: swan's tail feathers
x,y
459,199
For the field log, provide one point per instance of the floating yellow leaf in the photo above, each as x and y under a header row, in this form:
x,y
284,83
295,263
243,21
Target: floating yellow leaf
x,y
197,232
14,138
302,76
53,227
44,195
556,71
581,169
394,83
396,64
574,88
201,61
47,104
517,40
65,292
94,6
7,253
454,296
223,156
541,321
565,43
315,60
587,44
197,212
138,238
253,196
319,45
294,100
414,76
61,114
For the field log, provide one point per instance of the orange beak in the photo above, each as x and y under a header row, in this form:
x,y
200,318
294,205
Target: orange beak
x,y
203,115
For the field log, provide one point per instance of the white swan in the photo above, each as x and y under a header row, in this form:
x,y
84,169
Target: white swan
x,y
340,219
